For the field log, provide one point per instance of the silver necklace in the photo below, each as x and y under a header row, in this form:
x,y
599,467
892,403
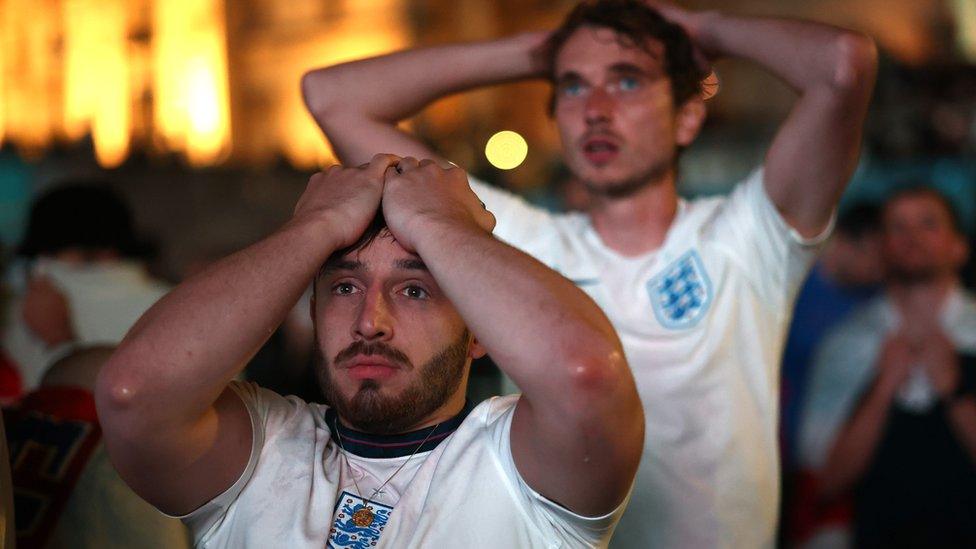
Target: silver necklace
x,y
364,517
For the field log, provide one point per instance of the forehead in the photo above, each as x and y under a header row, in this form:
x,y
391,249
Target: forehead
x,y
383,254
915,204
596,49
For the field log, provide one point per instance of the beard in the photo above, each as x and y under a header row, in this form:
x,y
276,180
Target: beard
x,y
627,186
910,276
370,411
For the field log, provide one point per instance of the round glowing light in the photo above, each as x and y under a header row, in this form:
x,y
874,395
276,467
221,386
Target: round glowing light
x,y
506,150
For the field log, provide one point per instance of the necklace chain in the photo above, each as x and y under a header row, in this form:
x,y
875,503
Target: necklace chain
x,y
359,493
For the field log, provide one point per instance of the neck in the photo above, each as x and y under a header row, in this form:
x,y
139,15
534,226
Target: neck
x,y
924,300
638,223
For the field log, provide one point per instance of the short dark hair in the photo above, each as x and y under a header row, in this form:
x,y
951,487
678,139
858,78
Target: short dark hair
x,y
920,189
635,23
375,229
84,214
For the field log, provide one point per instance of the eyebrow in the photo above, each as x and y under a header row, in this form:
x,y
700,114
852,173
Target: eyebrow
x,y
628,68
342,265
411,264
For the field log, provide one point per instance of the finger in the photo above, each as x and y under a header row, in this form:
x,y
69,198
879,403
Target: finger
x,y
407,164
379,164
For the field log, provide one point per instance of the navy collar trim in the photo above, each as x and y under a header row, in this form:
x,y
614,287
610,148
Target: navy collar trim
x,y
368,445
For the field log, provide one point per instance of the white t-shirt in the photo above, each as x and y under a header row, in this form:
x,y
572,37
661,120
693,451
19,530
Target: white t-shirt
x,y
702,320
104,299
298,489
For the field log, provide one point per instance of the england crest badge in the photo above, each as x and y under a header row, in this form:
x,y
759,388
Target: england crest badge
x,y
682,293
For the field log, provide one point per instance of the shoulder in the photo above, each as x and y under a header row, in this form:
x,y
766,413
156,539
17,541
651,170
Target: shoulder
x,y
272,413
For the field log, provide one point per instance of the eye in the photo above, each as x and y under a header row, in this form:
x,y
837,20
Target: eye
x,y
415,292
344,288
628,83
571,89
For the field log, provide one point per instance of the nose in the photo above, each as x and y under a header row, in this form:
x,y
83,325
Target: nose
x,y
375,321
599,106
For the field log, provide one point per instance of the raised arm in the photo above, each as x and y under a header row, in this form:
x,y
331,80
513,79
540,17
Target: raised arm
x,y
816,149
577,433
173,429
359,104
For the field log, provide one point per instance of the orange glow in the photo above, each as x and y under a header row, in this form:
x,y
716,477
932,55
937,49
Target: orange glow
x,y
301,140
191,106
30,36
111,106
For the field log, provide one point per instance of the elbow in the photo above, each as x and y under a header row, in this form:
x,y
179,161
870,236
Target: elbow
x,y
116,395
597,373
317,93
855,63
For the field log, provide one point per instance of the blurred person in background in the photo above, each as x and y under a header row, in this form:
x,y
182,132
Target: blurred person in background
x,y
80,239
848,272
889,428
700,291
66,491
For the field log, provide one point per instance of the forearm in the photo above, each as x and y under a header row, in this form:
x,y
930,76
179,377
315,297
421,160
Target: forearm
x,y
802,53
856,443
392,87
962,417
358,104
531,320
177,359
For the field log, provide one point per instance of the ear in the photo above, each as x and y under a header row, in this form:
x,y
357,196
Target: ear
x,y
689,120
960,252
475,350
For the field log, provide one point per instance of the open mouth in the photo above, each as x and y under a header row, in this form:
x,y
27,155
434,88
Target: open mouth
x,y
600,150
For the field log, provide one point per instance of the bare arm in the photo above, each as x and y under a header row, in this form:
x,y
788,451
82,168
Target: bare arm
x,y
816,149
359,104
577,433
857,441
174,431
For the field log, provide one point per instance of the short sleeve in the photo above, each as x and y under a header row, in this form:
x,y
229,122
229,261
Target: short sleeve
x,y
571,528
773,254
266,410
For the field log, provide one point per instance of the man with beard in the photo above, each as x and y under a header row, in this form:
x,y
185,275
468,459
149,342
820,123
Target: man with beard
x,y
891,416
700,291
399,459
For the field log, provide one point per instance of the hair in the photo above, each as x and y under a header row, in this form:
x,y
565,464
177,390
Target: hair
x,y
859,219
635,24
912,189
375,229
83,214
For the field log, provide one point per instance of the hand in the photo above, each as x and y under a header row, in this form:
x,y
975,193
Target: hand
x,y
694,23
419,195
346,198
895,363
941,364
46,312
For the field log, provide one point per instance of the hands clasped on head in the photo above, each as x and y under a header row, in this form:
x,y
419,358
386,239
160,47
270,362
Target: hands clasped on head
x,y
415,198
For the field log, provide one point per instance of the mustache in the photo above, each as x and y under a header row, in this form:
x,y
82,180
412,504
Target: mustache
x,y
372,349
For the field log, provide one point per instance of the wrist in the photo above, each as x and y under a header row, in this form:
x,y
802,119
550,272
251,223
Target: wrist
x,y
320,232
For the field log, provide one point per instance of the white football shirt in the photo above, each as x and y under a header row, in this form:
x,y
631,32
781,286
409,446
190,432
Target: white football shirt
x,y
298,489
702,320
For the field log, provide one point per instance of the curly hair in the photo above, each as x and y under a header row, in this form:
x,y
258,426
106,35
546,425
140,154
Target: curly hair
x,y
635,23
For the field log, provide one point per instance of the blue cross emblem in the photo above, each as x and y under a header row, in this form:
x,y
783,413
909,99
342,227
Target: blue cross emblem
x,y
681,293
